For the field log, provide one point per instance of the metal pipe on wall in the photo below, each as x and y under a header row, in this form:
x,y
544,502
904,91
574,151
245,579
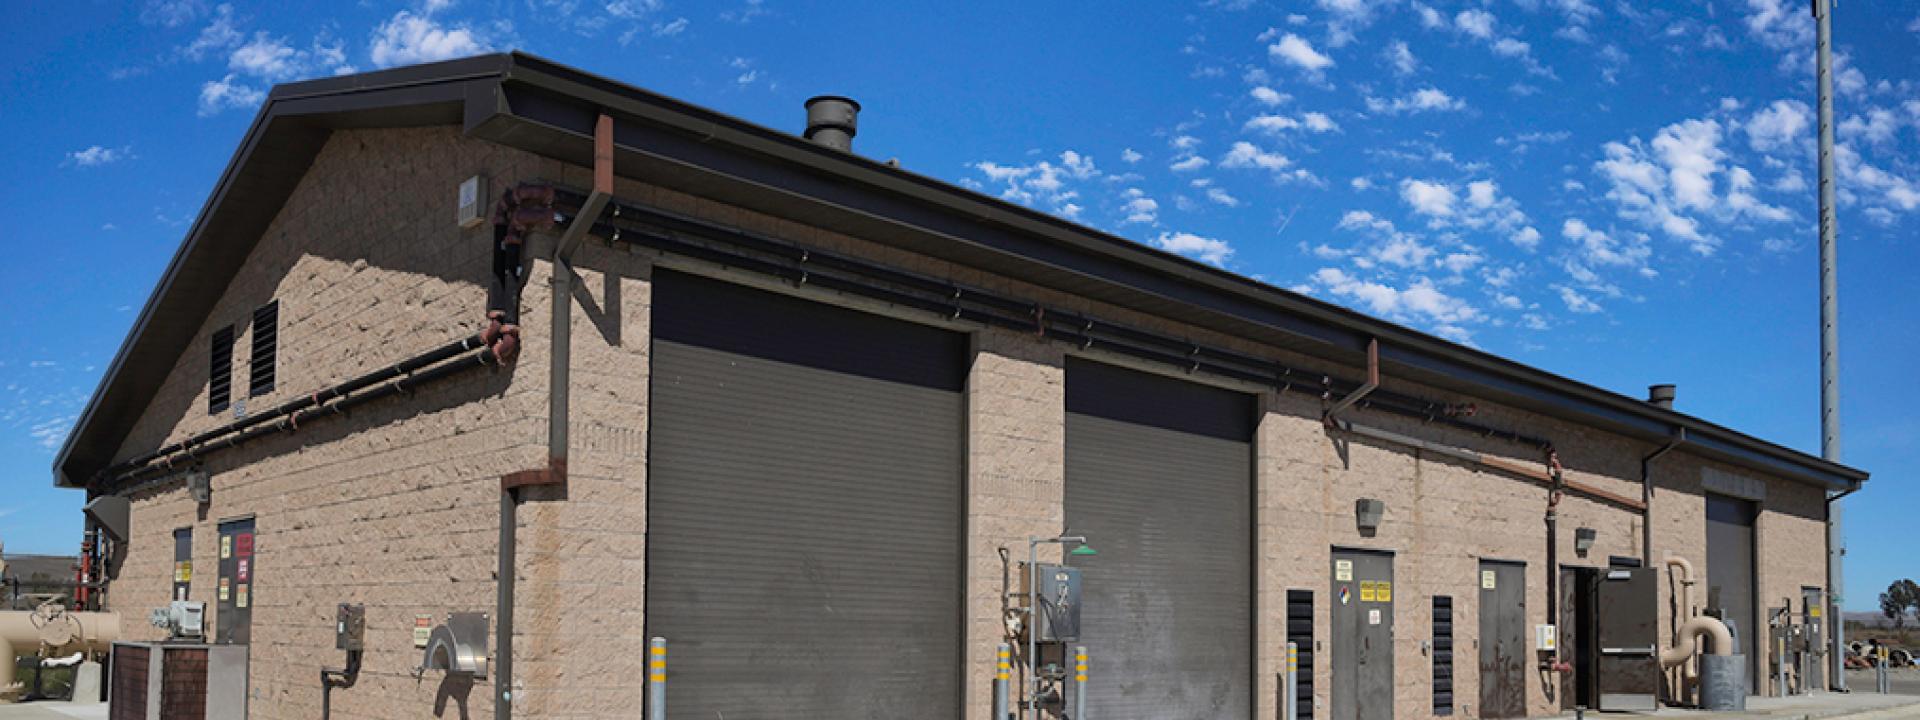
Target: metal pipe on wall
x,y
1646,495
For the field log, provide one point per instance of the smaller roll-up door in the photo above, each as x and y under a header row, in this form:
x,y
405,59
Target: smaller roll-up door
x,y
1159,480
804,507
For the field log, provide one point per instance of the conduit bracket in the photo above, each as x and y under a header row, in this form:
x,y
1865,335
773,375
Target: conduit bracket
x,y
1359,393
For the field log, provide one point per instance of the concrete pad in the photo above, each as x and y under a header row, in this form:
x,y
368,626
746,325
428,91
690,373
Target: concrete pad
x,y
1826,706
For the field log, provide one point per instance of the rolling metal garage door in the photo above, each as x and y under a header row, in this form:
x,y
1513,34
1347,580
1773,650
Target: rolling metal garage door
x,y
804,508
1159,479
1730,574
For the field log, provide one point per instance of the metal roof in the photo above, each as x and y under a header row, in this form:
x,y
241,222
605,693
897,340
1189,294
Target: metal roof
x,y
549,109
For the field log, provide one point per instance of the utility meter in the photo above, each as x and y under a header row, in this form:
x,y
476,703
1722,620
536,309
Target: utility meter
x,y
350,628
1058,595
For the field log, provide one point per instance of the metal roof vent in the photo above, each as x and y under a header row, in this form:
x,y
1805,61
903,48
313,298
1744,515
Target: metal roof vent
x,y
1661,396
832,121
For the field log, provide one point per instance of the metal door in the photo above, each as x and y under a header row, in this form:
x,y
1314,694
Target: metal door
x,y
804,554
1362,635
233,592
1730,574
1627,635
1160,481
1812,601
1503,639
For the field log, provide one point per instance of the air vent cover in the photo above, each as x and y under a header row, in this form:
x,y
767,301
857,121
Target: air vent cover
x,y
220,370
266,343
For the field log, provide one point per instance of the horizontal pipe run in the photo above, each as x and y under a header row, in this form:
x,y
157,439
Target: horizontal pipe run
x,y
339,399
659,230
1523,470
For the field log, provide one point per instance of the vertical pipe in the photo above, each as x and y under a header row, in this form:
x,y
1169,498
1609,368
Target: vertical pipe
x,y
1830,337
1080,683
1292,695
559,372
1002,666
503,611
1031,700
1780,666
657,679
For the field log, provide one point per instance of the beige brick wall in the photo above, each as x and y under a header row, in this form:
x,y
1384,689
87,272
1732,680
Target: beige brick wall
x,y
396,505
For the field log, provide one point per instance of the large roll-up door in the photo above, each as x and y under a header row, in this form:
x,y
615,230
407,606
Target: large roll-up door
x,y
804,508
1159,479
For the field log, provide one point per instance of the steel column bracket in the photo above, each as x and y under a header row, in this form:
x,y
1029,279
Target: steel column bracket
x,y
554,474
1360,393
590,210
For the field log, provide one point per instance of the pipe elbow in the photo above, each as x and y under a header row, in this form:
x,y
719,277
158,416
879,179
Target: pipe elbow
x,y
1684,645
1685,566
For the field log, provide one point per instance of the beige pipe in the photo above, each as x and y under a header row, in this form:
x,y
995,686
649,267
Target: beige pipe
x,y
1686,583
71,631
1683,648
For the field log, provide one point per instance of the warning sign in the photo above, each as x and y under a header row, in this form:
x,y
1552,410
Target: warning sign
x,y
1345,594
223,589
243,544
242,574
226,546
240,595
1487,579
1814,611
1383,591
1343,570
422,630
183,571
1366,591
1373,616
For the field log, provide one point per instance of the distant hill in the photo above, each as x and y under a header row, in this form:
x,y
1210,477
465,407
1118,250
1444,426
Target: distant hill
x,y
1878,620
36,574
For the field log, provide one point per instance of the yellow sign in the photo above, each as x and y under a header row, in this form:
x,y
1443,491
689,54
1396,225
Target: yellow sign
x,y
1383,591
1366,591
1814,611
1487,579
223,589
183,571
226,546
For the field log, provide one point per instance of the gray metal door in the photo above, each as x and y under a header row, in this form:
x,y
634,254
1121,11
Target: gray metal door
x,y
1159,479
1730,574
1812,612
1627,632
1362,617
805,478
1503,639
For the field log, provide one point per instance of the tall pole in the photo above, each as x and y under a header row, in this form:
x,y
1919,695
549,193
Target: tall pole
x,y
1830,339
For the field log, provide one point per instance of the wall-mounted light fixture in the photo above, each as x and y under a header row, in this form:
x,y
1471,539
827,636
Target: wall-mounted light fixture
x,y
1367,512
1583,540
200,485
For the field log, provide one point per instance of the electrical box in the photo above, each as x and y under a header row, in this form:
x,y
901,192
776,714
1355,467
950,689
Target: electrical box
x,y
1546,638
182,619
350,628
473,210
1058,595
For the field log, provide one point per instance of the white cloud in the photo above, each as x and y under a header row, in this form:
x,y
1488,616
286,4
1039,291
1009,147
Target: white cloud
x,y
219,34
1877,126
1676,180
1419,300
227,92
1188,164
1222,197
1510,47
274,60
1428,198
1130,156
1429,17
96,155
1247,155
1269,96
1139,208
407,39
1299,53
1577,301
1778,125
1204,249
1319,122
1422,100
1047,183
1780,24
1272,123
1527,238
1478,23
1401,58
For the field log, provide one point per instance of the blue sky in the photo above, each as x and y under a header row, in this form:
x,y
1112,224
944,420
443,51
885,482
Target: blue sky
x,y
1618,192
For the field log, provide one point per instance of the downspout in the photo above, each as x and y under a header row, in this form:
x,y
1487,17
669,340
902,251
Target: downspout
x,y
1552,662
1836,551
560,368
1646,495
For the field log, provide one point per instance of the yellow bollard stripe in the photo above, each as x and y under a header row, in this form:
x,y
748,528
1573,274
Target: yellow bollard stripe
x,y
659,677
658,664
659,651
1079,678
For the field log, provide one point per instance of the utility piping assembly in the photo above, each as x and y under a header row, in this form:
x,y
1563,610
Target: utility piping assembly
x,y
1684,645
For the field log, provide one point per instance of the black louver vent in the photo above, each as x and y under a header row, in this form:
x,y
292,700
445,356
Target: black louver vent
x,y
1300,633
1442,655
266,342
220,371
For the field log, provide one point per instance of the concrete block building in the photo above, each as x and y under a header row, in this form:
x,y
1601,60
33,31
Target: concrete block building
x,y
501,336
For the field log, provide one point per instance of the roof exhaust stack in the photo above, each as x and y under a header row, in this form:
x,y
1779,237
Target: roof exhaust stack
x,y
1661,396
832,121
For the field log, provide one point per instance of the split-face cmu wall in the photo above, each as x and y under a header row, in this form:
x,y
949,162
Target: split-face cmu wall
x,y
396,506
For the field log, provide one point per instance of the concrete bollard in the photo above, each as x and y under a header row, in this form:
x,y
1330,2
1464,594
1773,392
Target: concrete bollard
x,y
1080,683
1002,667
657,679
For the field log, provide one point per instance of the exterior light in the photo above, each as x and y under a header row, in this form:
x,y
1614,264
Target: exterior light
x,y
1583,540
1367,513
1083,551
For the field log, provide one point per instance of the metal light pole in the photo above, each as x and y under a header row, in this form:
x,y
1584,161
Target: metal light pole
x,y
1830,338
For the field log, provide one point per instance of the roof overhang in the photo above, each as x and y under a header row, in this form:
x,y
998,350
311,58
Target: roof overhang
x,y
549,109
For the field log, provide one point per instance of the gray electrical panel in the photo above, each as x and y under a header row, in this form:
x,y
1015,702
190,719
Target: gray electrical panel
x,y
1058,594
